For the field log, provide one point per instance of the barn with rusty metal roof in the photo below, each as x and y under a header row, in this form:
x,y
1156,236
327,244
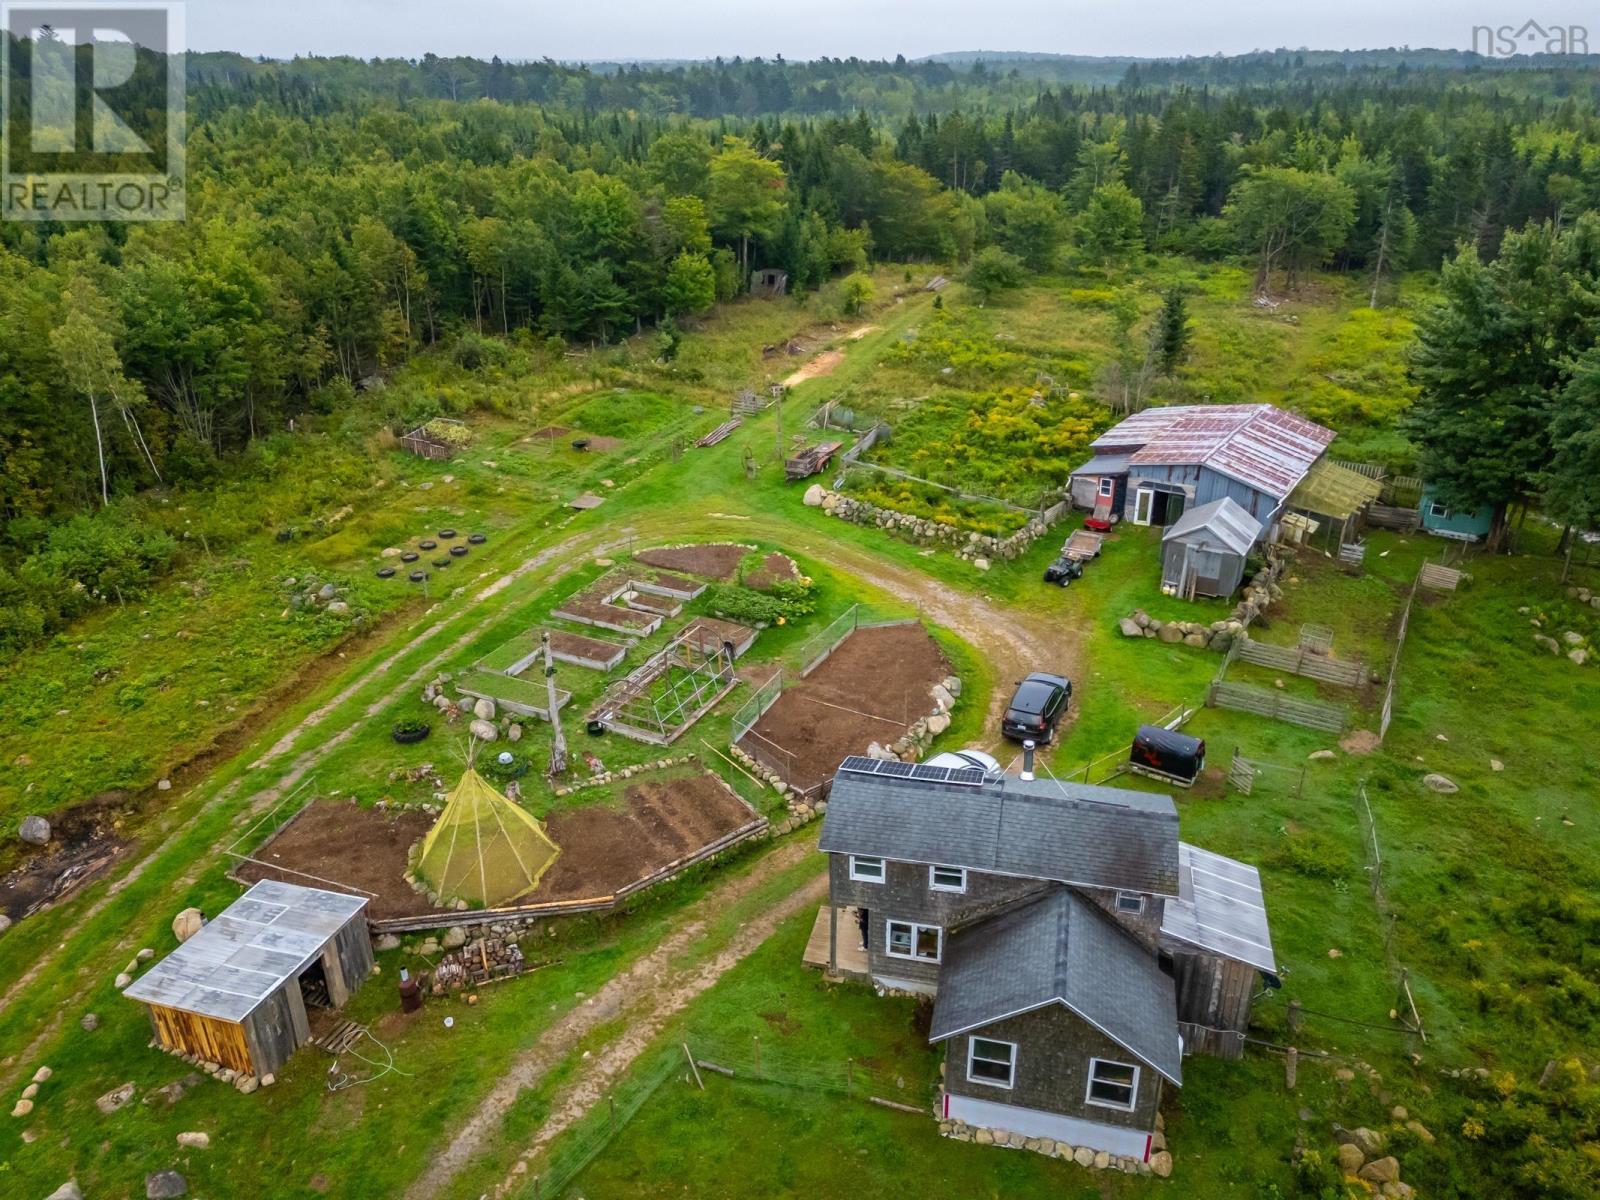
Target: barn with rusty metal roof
x,y
1152,467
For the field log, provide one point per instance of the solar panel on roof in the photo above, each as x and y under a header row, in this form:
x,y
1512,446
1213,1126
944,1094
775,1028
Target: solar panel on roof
x,y
860,765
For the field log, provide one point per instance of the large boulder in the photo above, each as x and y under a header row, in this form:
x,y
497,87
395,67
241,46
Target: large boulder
x,y
116,1098
195,1140
1130,627
483,730
1578,655
937,724
165,1185
1351,1159
35,830
1380,1170
483,708
813,496
1171,634
186,924
1197,640
67,1191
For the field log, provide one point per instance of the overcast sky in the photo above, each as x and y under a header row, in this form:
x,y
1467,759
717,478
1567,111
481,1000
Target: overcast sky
x,y
624,29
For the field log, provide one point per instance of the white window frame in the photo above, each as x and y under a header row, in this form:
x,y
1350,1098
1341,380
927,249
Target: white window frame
x,y
916,928
879,878
1137,906
1439,512
972,1053
1108,486
1144,502
935,886
1132,1086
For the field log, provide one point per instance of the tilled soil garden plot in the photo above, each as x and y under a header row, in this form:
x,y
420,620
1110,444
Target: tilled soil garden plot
x,y
873,688
605,845
709,560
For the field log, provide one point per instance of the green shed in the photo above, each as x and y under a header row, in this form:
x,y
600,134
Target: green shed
x,y
1465,525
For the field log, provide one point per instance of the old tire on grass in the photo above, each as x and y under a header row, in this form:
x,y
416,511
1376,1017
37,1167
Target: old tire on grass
x,y
410,556
385,572
441,562
458,551
447,534
477,539
429,544
418,576
407,737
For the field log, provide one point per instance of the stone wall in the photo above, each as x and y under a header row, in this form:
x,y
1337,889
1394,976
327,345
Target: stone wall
x,y
1160,1157
1258,594
980,548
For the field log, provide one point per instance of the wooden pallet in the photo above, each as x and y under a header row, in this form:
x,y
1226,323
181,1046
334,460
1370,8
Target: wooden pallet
x,y
340,1038
720,432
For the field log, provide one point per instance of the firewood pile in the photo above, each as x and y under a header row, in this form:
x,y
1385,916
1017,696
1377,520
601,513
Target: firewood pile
x,y
478,962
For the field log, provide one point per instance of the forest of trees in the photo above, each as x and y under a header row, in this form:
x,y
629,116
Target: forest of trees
x,y
346,215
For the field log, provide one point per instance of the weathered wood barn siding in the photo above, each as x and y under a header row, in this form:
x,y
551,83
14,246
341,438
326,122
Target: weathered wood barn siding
x,y
1214,996
349,956
213,1040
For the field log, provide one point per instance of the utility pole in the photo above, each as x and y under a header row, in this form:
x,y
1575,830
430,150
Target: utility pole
x,y
558,742
778,444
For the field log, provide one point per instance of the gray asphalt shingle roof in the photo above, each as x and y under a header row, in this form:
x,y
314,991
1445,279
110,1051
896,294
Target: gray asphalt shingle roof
x,y
1040,829
1060,949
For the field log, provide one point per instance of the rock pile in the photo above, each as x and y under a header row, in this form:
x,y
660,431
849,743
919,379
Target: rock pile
x,y
1218,636
1160,1163
605,777
307,595
1361,1157
965,543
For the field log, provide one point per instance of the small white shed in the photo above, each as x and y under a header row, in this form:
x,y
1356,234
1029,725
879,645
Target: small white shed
x,y
1203,553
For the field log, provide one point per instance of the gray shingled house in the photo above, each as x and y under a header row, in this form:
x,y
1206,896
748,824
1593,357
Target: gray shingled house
x,y
1074,947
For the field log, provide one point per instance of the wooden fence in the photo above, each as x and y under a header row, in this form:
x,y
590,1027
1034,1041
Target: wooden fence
x,y
1303,661
1391,516
1265,702
1440,578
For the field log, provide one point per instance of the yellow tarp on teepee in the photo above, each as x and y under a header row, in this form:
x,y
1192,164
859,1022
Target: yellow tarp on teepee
x,y
484,849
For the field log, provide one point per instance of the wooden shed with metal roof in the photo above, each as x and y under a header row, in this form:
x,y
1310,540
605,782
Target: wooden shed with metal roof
x,y
236,992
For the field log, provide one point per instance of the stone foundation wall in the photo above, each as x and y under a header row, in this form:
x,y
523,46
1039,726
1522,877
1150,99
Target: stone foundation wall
x,y
980,548
1160,1163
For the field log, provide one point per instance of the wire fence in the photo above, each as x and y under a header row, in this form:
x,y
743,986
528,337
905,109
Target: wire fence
x,y
752,710
816,648
702,1062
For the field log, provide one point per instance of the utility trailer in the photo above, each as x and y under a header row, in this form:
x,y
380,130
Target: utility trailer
x,y
1082,546
810,460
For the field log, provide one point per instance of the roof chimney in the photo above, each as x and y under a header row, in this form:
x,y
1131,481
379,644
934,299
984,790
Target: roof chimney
x,y
1027,760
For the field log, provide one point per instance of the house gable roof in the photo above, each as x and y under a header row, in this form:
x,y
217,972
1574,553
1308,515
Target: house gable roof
x,y
1222,521
1060,949
1259,445
1039,829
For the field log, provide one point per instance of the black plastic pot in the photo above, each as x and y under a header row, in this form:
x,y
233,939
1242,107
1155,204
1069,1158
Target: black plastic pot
x,y
458,551
477,539
385,572
595,728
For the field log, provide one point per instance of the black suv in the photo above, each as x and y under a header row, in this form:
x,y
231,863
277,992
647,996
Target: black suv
x,y
1037,708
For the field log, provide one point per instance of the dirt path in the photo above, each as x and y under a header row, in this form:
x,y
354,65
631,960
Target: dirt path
x,y
825,363
646,997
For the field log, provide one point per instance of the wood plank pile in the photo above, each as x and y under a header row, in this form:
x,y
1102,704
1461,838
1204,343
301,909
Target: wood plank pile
x,y
478,962
720,432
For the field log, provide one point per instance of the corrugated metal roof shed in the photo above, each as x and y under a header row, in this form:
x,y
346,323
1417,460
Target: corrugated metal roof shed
x,y
1221,524
1060,950
1257,444
1220,908
1043,829
259,942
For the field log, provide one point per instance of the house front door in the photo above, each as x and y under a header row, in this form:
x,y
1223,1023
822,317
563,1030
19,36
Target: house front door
x,y
1142,501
